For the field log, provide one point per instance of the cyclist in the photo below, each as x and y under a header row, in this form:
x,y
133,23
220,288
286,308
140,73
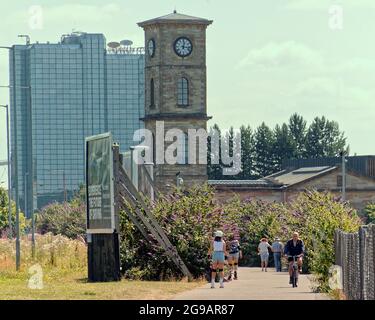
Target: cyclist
x,y
218,252
294,247
235,253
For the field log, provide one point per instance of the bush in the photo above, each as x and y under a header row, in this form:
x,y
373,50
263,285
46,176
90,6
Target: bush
x,y
370,213
189,219
67,219
4,214
316,216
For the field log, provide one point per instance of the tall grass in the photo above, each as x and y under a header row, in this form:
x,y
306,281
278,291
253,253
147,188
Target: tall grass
x,y
54,253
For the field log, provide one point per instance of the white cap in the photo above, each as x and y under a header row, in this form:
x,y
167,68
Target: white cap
x,y
219,233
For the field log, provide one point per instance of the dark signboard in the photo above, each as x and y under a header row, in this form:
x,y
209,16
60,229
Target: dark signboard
x,y
99,184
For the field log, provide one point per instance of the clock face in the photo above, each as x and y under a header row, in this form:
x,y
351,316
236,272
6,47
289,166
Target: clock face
x,y
151,47
183,47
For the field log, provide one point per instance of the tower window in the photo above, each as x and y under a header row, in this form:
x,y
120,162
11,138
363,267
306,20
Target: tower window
x,y
183,157
183,92
152,93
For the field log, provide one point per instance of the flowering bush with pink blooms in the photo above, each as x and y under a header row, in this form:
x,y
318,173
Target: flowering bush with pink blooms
x,y
67,219
190,218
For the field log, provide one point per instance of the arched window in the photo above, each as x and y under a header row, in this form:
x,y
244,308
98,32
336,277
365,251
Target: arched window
x,y
183,92
152,93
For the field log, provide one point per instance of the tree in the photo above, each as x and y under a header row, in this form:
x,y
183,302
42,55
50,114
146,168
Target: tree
x,y
369,212
227,150
4,214
68,219
297,129
284,146
264,155
214,171
324,139
247,153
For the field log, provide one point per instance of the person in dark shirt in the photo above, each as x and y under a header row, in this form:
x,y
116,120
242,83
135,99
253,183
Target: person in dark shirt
x,y
294,247
235,253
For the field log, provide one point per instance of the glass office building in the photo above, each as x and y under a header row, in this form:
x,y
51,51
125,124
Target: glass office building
x,y
60,94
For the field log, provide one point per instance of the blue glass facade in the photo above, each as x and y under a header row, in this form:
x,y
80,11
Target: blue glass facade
x,y
78,89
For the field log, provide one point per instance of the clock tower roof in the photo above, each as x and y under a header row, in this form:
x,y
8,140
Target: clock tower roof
x,y
175,18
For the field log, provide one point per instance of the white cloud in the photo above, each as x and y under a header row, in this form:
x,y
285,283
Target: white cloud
x,y
318,86
333,93
356,65
283,55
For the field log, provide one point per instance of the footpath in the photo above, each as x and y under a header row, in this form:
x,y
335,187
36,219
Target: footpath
x,y
253,284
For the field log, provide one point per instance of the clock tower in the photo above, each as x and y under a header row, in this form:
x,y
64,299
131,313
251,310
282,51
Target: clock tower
x,y
176,92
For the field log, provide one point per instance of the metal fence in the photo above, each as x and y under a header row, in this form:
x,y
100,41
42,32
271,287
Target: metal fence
x,y
354,253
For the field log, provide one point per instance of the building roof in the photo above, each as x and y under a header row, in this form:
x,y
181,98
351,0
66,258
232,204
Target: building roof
x,y
176,18
261,183
288,178
364,165
279,180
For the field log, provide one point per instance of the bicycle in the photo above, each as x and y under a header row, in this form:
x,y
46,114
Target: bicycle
x,y
295,270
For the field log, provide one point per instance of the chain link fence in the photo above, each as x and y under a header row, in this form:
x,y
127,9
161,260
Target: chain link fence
x,y
354,253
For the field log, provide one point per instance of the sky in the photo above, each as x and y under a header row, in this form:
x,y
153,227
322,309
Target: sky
x,y
265,59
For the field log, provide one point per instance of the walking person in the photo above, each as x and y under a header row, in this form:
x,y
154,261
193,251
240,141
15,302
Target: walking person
x,y
218,251
264,253
277,249
235,253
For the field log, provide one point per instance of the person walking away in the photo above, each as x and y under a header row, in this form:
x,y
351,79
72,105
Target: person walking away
x,y
277,249
264,253
218,252
294,247
235,253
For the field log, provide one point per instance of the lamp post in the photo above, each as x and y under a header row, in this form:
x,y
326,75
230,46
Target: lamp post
x,y
343,165
35,204
9,168
10,235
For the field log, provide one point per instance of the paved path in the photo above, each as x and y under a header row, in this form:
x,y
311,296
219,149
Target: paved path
x,y
253,284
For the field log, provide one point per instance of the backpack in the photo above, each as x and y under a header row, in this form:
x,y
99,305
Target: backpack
x,y
234,247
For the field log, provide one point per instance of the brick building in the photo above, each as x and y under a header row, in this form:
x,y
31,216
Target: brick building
x,y
285,185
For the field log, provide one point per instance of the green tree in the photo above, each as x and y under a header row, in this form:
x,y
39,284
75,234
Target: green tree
x,y
227,149
247,153
324,139
370,213
297,129
4,214
284,146
68,219
214,170
264,155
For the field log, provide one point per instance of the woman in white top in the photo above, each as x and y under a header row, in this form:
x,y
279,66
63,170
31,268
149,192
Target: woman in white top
x,y
264,253
218,252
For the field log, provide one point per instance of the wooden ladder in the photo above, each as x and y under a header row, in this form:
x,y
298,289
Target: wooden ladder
x,y
126,195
